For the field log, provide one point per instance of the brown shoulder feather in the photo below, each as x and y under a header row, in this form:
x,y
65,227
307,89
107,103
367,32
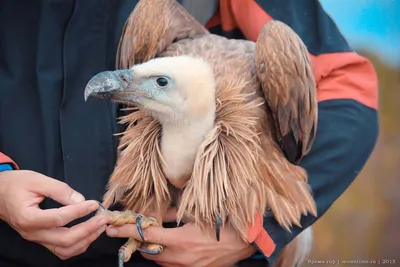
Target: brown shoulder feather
x,y
151,27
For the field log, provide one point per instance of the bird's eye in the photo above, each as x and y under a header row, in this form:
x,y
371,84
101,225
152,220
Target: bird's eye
x,y
162,82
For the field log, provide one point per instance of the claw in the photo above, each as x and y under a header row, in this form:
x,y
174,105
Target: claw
x,y
121,257
101,208
150,252
218,227
139,219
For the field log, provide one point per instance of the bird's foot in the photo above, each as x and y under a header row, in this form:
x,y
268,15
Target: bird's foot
x,y
218,227
119,218
126,251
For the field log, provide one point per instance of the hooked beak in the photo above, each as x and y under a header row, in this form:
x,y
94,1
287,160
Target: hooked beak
x,y
105,83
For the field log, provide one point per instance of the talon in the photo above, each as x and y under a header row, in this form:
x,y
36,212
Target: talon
x,y
218,227
139,220
101,207
150,252
121,257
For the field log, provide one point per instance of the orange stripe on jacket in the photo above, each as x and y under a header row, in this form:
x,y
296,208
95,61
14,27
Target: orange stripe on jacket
x,y
5,159
345,75
338,75
250,17
224,16
260,236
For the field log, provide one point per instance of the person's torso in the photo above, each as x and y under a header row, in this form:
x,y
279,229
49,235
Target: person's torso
x,y
48,51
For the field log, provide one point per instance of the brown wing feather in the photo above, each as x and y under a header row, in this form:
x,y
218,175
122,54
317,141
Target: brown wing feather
x,y
285,73
151,27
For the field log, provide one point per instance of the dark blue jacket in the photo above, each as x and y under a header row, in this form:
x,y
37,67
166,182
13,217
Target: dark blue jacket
x,y
49,49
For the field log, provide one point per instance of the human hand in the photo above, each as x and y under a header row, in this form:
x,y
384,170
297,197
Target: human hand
x,y
189,246
20,195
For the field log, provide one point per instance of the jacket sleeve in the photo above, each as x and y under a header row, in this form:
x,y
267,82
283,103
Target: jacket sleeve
x,y
6,163
348,102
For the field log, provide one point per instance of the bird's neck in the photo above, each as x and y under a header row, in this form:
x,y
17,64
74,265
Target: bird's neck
x,y
180,143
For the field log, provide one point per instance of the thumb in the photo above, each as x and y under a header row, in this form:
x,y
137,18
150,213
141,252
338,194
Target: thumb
x,y
56,190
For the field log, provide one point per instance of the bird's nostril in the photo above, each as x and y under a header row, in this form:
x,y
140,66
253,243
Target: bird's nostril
x,y
105,94
122,77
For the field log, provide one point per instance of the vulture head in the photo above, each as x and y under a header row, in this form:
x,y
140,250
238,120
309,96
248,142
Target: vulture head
x,y
173,90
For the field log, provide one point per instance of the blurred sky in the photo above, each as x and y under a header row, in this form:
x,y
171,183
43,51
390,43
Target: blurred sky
x,y
372,25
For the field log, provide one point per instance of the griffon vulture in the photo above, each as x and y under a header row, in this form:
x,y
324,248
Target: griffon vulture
x,y
216,126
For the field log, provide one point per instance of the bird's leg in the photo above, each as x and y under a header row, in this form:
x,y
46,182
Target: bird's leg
x,y
119,218
126,251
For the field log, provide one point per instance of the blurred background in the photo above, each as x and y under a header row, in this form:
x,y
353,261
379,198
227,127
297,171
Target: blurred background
x,y
364,224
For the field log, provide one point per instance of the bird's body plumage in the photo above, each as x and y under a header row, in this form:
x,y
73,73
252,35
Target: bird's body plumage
x,y
228,160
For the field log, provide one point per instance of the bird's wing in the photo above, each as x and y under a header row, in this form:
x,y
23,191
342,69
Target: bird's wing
x,y
151,27
286,76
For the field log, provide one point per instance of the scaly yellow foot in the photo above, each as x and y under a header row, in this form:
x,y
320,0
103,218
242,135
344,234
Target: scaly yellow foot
x,y
119,218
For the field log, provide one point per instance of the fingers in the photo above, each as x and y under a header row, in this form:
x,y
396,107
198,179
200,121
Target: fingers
x,y
56,190
155,235
77,248
67,237
37,218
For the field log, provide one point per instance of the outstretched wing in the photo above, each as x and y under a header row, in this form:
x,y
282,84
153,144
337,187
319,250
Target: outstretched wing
x,y
151,27
285,73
